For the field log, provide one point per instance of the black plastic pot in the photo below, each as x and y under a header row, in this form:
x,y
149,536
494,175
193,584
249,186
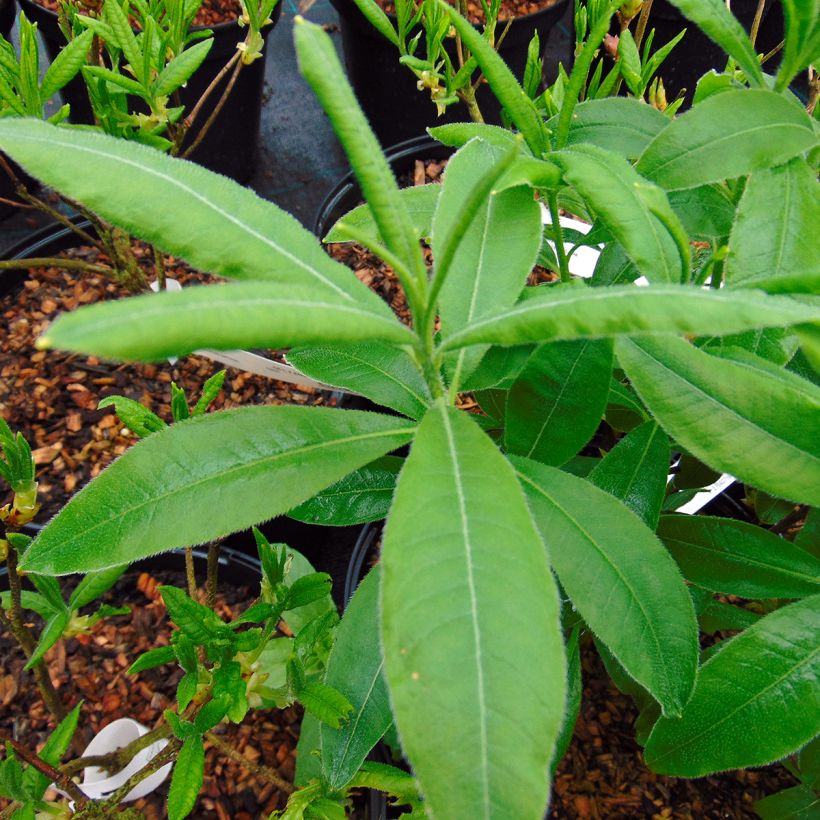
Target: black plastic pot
x,y
229,147
696,54
387,90
7,12
346,193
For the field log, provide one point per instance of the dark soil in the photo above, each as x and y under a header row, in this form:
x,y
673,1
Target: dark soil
x,y
93,668
510,9
51,397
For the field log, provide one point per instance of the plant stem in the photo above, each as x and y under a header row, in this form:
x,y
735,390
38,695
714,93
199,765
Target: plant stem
x,y
118,759
213,574
54,262
792,518
258,769
153,765
469,99
756,22
60,778
189,120
215,113
159,267
25,639
190,573
558,235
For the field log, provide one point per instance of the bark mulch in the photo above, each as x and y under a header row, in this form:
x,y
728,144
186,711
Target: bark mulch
x,y
510,9
52,397
93,668
603,777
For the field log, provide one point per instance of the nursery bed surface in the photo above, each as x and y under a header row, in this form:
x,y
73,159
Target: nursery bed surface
x,y
52,397
93,667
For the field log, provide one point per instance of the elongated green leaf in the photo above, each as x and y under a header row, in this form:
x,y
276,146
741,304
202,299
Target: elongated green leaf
x,y
556,404
355,667
121,81
635,471
460,133
385,374
737,558
754,703
35,782
706,213
320,66
727,135
94,585
720,25
735,419
52,632
796,803
496,253
180,69
419,200
66,64
202,217
575,690
492,686
186,780
623,125
620,578
378,19
364,495
578,312
157,325
774,243
124,37
613,190
513,98
248,465
802,44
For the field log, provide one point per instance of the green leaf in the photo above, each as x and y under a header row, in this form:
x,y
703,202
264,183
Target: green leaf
x,y
574,692
186,780
36,783
386,375
320,66
181,68
578,312
802,42
706,212
115,78
157,325
364,495
622,125
496,253
736,419
298,567
754,703
307,589
458,134
774,244
505,87
206,219
620,578
620,200
738,558
66,64
94,585
721,617
720,25
808,539
419,200
451,661
556,404
378,19
635,471
796,803
138,419
52,632
728,135
355,667
153,658
325,703
125,39
163,491
629,61
210,390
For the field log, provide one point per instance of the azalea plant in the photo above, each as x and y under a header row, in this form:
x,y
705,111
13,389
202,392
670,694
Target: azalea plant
x,y
513,533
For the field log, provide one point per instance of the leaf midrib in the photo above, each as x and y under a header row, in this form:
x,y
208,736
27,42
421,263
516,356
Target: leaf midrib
x,y
647,620
245,465
226,215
